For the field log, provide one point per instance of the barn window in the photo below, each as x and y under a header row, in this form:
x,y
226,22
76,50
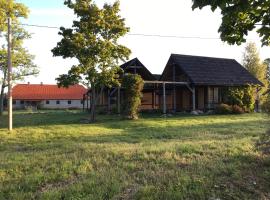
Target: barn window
x,y
82,101
22,102
14,102
57,102
69,102
47,102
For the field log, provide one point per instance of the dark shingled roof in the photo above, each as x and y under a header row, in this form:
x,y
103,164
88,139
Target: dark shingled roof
x,y
143,71
157,76
213,71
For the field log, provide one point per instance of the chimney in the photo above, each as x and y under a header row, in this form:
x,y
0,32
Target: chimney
x,y
41,83
28,83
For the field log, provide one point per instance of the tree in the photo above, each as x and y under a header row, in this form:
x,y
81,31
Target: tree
x,y
240,17
253,63
22,61
267,62
133,84
93,41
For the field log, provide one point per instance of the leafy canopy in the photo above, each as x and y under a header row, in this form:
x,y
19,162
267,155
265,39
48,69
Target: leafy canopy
x,y
240,17
93,41
12,9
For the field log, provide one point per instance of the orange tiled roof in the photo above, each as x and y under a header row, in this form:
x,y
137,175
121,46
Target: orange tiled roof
x,y
47,92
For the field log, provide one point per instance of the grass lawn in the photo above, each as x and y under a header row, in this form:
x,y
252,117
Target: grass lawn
x,y
52,155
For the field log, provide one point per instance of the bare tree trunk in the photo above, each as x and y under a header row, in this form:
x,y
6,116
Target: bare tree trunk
x,y
94,100
2,93
93,105
2,99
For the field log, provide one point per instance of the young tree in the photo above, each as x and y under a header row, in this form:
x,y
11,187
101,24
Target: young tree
x,y
93,41
240,17
22,61
253,63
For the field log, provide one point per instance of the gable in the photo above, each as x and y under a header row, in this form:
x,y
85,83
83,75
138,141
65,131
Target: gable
x,y
134,66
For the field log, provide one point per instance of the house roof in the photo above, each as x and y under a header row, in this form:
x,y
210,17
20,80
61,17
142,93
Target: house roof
x,y
47,92
130,66
213,71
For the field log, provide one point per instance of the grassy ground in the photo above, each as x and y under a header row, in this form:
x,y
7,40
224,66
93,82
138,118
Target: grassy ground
x,y
52,155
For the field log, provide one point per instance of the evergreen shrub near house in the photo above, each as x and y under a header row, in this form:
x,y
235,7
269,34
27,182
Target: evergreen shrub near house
x,y
133,85
243,97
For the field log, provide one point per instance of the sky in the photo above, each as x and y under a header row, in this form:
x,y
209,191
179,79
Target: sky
x,y
170,17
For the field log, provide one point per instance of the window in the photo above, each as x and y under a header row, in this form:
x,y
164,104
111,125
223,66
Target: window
x,y
14,102
69,102
47,102
82,101
22,102
57,102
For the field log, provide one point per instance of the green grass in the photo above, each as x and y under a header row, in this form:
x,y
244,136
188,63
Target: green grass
x,y
52,155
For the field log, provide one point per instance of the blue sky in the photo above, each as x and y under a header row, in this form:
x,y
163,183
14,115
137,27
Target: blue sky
x,y
166,17
42,3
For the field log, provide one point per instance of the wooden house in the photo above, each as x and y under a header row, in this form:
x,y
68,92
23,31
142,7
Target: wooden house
x,y
187,83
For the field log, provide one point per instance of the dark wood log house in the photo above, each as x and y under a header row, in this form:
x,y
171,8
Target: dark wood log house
x,y
187,83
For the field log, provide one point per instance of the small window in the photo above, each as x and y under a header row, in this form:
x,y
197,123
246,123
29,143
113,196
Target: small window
x,y
57,102
82,101
69,102
14,102
22,102
47,102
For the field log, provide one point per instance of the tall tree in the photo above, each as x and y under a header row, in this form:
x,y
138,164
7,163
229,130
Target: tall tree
x,y
22,61
240,17
93,41
253,63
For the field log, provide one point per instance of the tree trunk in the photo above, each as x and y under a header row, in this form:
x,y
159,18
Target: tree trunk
x,y
2,99
94,100
3,86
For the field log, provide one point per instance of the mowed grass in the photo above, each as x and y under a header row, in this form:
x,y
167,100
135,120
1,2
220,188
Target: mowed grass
x,y
53,155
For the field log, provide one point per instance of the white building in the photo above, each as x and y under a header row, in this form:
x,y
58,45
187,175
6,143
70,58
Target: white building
x,y
48,96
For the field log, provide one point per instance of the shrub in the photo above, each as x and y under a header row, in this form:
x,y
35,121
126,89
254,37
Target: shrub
x,y
237,109
266,105
243,97
223,109
133,85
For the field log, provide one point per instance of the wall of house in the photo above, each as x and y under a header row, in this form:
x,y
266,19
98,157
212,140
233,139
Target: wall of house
x,y
63,104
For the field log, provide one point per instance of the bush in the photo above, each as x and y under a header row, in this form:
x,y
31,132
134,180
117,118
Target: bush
x,y
133,85
243,97
266,105
237,110
223,109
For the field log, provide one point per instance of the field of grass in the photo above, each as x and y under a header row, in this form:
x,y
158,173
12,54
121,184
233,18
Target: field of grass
x,y
53,155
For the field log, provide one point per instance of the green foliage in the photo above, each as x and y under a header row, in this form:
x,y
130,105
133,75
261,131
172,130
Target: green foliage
x,y
133,85
22,60
243,97
267,63
240,17
266,105
10,8
93,41
223,109
259,69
